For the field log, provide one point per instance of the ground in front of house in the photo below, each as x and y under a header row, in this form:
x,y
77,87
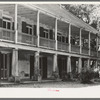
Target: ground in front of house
x,y
48,84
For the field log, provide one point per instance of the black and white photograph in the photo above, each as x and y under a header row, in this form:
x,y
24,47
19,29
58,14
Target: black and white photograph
x,y
50,46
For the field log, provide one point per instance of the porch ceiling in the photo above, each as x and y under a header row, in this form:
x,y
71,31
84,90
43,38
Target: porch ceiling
x,y
85,33
63,26
47,20
27,13
75,30
8,7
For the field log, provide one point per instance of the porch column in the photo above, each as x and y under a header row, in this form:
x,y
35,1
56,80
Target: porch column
x,y
15,26
96,64
38,29
89,44
88,63
97,45
69,64
55,63
36,65
80,65
56,34
15,64
80,41
69,38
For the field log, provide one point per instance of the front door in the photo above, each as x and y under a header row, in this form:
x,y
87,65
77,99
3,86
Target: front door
x,y
43,67
31,66
5,64
62,65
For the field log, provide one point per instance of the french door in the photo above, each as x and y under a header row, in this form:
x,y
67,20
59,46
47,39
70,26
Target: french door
x,y
5,64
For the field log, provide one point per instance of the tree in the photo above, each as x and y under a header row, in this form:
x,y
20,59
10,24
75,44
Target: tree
x,y
89,13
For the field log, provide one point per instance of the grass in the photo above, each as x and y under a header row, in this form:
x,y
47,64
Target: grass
x,y
60,84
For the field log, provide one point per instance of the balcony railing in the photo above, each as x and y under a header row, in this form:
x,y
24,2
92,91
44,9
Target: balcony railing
x,y
8,35
75,48
63,46
98,54
85,50
44,42
27,39
93,53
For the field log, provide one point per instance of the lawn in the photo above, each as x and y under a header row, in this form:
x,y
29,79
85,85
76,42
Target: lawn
x,y
59,84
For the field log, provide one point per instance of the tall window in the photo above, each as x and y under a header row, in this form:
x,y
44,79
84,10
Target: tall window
x,y
46,33
7,23
29,30
62,38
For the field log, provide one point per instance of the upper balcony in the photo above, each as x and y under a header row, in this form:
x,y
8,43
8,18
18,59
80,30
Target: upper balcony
x,y
75,39
33,26
85,42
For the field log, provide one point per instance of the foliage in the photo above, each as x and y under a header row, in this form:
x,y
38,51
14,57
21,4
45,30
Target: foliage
x,y
66,76
55,75
89,13
86,76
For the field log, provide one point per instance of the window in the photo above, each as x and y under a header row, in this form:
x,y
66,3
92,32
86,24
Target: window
x,y
62,38
6,23
29,30
59,37
44,33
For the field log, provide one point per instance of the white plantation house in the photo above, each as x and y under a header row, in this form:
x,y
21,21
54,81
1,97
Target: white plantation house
x,y
39,39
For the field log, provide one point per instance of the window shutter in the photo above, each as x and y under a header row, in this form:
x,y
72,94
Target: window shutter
x,y
12,25
1,22
34,30
23,27
42,32
51,34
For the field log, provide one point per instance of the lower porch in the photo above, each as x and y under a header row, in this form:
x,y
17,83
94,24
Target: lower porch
x,y
18,65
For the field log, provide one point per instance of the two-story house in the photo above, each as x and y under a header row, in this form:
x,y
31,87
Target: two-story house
x,y
44,38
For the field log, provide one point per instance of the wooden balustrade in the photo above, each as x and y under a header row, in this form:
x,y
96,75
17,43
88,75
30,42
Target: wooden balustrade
x,y
93,53
47,43
75,48
63,46
85,50
26,38
8,35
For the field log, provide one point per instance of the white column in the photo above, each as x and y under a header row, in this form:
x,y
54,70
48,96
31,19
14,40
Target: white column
x,y
80,65
36,63
69,38
55,66
80,41
88,63
56,34
15,26
96,63
97,45
69,64
38,29
15,62
89,44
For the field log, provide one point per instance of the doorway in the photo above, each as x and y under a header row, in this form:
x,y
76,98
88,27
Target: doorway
x,y
5,65
31,66
62,65
43,67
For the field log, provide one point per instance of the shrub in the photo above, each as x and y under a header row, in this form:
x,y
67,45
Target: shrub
x,y
66,76
86,76
55,75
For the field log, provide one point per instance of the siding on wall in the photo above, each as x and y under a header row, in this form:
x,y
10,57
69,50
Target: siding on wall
x,y
49,66
24,65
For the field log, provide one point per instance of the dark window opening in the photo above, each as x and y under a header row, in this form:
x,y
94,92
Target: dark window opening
x,y
8,25
4,24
